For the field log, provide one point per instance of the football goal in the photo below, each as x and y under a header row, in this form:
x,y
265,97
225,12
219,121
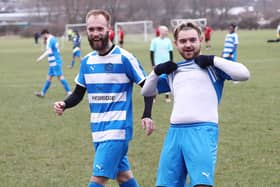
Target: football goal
x,y
202,22
135,31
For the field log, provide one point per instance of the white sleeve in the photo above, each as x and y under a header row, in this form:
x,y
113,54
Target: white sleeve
x,y
236,70
150,87
43,55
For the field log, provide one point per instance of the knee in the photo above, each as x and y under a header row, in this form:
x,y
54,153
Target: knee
x,y
124,176
99,180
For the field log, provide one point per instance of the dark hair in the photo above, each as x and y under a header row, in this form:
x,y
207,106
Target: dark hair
x,y
44,31
233,25
186,26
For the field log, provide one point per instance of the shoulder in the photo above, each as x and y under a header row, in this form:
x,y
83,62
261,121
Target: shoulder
x,y
126,54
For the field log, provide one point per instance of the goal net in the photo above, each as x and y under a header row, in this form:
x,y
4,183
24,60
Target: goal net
x,y
135,31
202,22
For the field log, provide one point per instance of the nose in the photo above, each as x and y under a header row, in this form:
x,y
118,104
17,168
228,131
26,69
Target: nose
x,y
188,43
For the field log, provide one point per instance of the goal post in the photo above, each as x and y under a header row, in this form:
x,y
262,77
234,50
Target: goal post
x,y
135,30
201,22
80,27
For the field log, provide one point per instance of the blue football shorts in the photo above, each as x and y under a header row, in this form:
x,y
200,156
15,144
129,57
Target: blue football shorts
x,y
110,158
77,53
55,71
188,150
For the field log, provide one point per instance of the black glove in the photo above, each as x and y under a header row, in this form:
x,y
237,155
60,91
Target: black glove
x,y
204,61
165,68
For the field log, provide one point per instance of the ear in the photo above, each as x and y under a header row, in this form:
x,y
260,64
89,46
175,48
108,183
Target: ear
x,y
175,43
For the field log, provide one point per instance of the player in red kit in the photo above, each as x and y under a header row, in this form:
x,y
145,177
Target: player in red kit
x,y
207,36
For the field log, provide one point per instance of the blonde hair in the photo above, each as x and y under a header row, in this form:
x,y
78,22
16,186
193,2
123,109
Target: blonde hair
x,y
186,26
96,12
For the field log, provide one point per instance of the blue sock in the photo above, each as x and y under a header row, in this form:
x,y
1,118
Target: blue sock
x,y
46,86
94,184
130,183
72,63
65,85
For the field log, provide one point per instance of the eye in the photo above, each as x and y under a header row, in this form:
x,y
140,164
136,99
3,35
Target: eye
x,y
91,29
182,41
193,40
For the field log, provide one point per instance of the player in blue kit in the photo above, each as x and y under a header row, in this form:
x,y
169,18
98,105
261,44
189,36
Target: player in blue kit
x,y
108,74
231,44
190,146
76,54
55,63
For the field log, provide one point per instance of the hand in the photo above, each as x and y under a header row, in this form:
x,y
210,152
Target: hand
x,y
59,107
148,125
165,68
203,61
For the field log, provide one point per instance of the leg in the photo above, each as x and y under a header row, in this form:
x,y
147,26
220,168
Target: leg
x,y
200,151
126,179
172,170
65,84
45,87
111,162
167,98
97,181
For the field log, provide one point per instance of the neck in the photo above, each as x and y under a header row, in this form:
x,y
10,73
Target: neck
x,y
106,49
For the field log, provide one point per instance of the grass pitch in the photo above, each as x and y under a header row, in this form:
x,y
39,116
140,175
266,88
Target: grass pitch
x,y
40,149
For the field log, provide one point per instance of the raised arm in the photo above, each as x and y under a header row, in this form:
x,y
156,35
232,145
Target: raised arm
x,y
150,86
235,70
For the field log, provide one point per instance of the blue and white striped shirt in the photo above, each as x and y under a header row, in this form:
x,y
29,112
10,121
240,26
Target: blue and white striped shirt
x,y
54,57
109,82
231,41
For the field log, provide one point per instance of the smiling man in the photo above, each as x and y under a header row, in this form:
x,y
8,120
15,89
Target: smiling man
x,y
190,146
108,74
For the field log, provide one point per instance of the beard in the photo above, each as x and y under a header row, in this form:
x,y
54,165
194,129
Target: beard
x,y
99,43
190,55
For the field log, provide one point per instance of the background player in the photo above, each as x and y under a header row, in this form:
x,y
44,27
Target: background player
x,y
76,54
231,44
161,50
55,63
207,36
120,36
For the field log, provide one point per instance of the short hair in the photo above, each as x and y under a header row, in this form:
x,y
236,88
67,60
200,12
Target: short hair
x,y
186,26
45,31
96,12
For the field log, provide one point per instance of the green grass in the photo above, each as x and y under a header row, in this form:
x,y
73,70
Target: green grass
x,y
40,149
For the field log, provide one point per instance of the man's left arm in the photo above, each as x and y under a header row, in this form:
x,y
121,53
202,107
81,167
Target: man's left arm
x,y
235,70
147,122
42,56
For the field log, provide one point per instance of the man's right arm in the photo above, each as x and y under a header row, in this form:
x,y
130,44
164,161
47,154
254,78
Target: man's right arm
x,y
150,86
152,58
71,101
